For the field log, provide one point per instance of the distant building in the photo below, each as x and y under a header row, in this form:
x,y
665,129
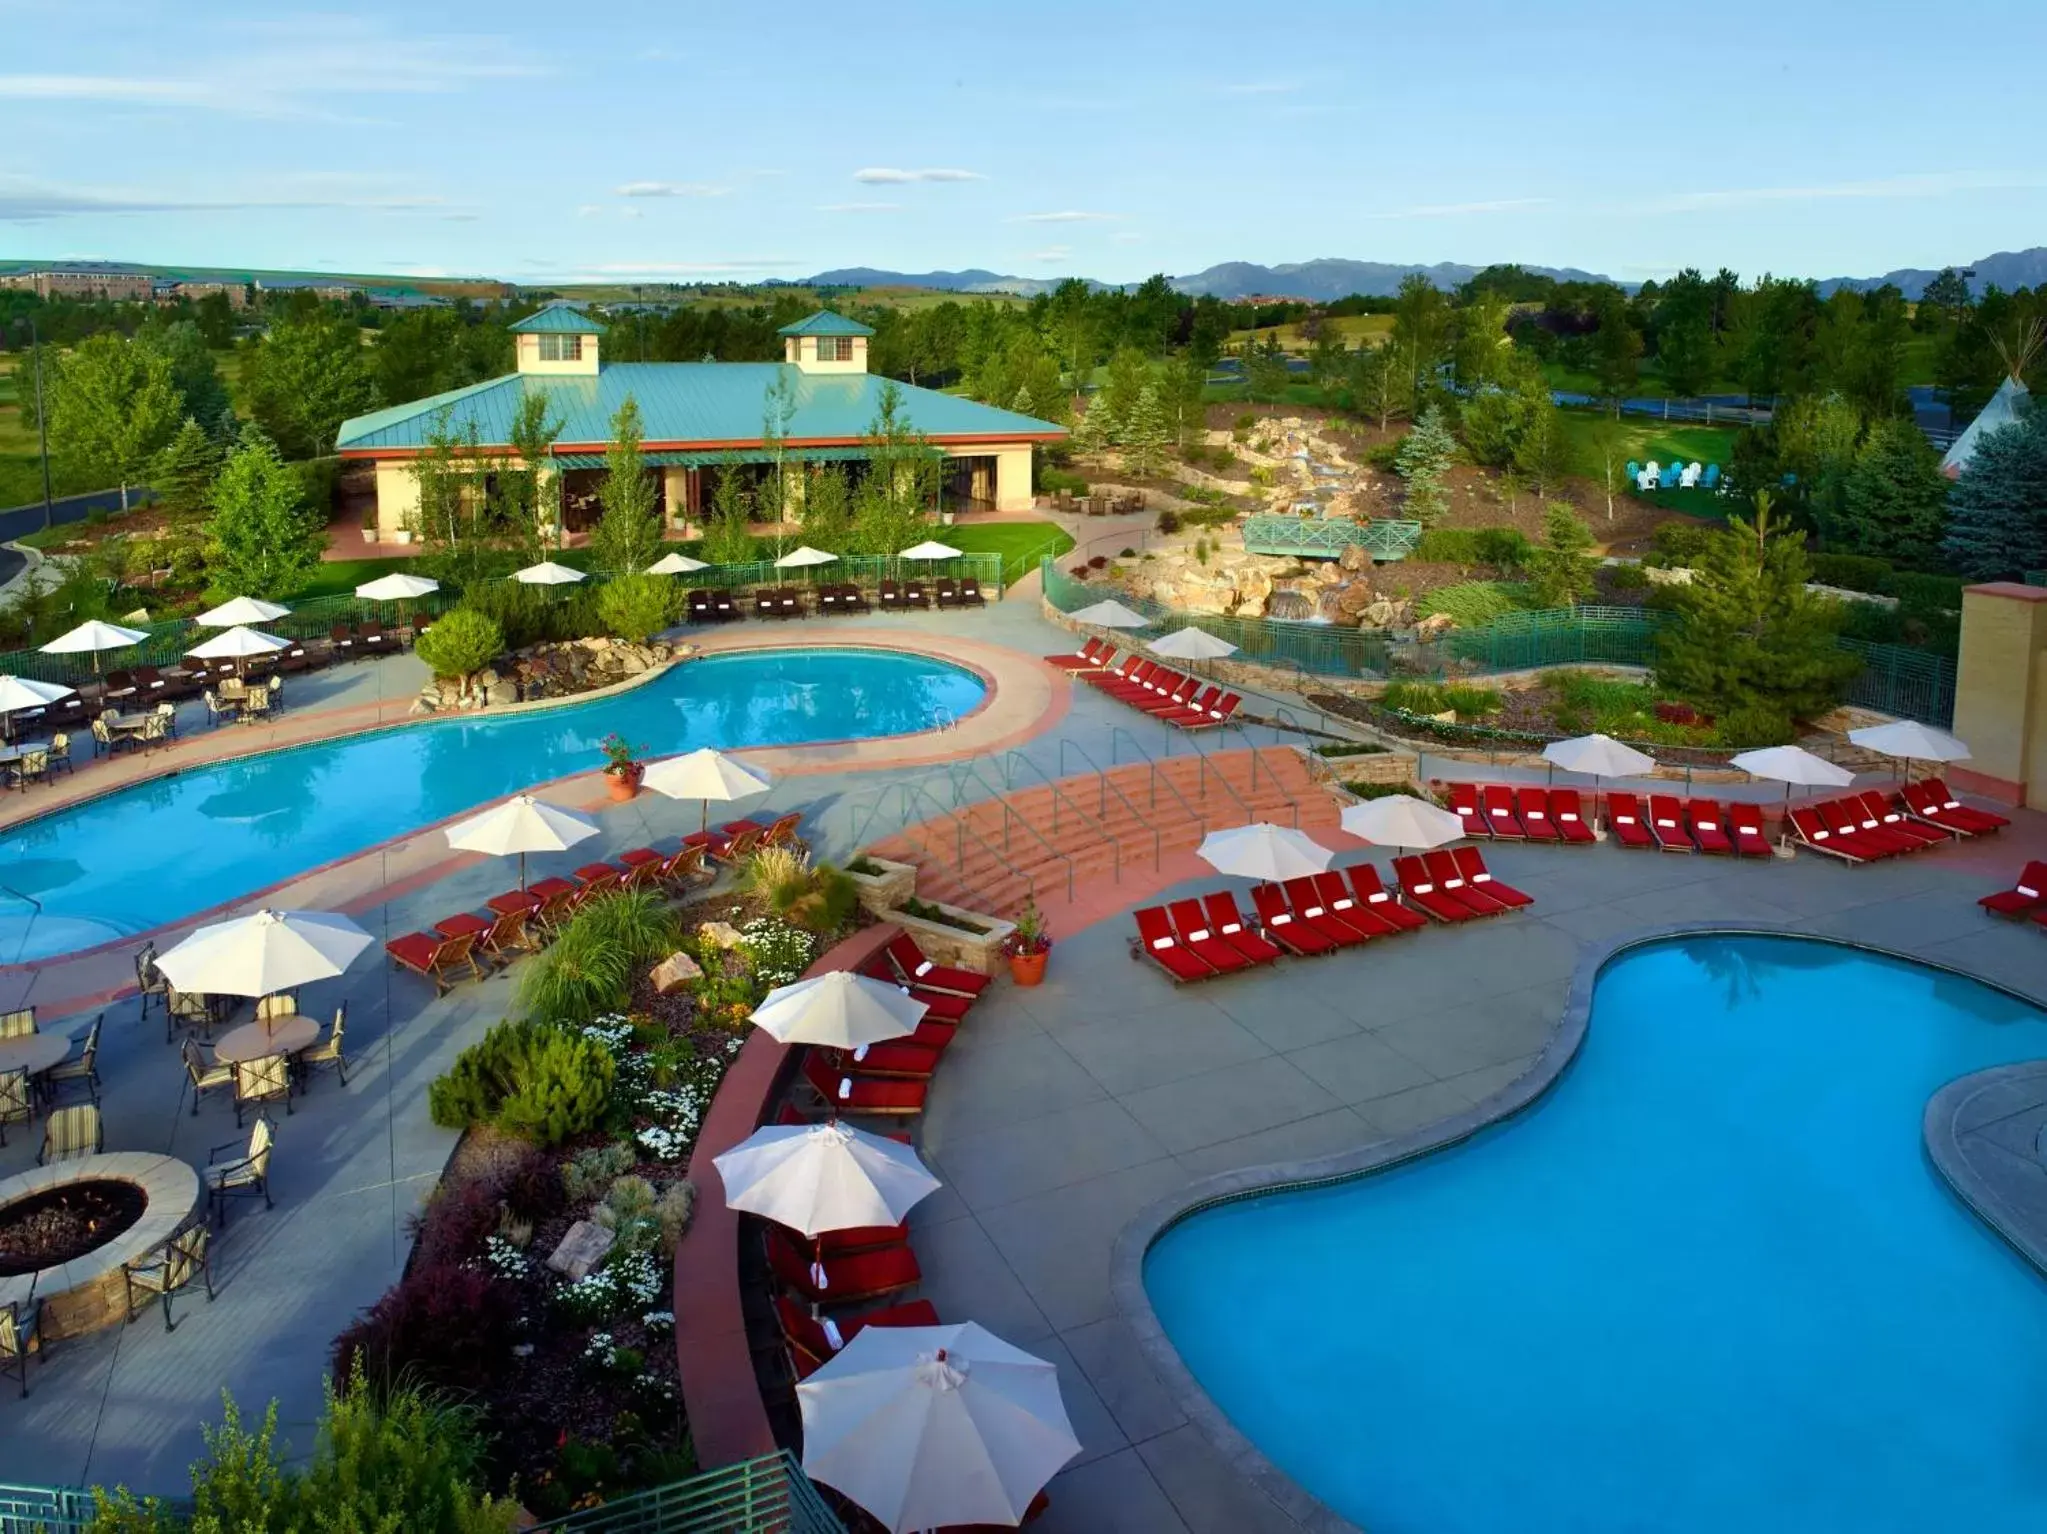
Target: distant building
x,y
84,280
325,288
236,293
698,416
384,299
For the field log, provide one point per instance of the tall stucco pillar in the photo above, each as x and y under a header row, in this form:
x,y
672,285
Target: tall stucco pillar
x,y
2001,693
675,491
397,498
1013,478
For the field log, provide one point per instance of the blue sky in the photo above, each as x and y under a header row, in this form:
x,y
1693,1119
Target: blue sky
x,y
675,141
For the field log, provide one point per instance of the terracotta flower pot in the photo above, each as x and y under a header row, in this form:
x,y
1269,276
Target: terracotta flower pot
x,y
624,785
1028,968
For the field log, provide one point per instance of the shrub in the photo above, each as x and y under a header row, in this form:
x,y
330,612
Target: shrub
x,y
1505,547
590,965
456,1222
447,1328
1928,593
1169,521
637,607
461,642
1244,423
533,1080
1473,604
589,1170
1052,481
1755,725
628,1213
1386,454
1679,543
532,1188
1471,702
1624,577
1854,572
1378,790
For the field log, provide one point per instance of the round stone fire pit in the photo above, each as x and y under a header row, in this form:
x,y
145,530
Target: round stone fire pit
x,y
67,1231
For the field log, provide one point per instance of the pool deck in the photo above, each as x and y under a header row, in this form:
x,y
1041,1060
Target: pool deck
x,y
1061,1114
1985,1134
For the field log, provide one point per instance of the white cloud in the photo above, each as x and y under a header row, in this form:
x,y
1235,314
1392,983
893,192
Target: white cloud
x,y
1461,209
881,175
859,207
24,201
1939,184
589,210
670,189
1051,253
1068,216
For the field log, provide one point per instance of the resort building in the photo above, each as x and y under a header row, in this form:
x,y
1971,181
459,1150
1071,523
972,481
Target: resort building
x,y
698,417
85,280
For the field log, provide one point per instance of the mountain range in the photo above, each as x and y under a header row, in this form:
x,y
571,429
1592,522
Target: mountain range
x,y
2008,269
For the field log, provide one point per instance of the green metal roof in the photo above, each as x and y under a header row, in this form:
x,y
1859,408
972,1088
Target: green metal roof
x,y
557,320
700,460
825,323
701,407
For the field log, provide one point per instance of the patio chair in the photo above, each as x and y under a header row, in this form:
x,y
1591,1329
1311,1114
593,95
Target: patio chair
x,y
1624,819
277,1004
71,1134
848,1280
1710,480
1567,810
118,684
1707,827
1813,833
1284,928
328,1050
1199,938
103,741
970,592
240,1176
891,596
724,606
265,1079
852,599
60,752
1442,867
434,958
1633,470
1375,897
82,1071
1223,714
1845,819
1343,904
1420,889
1745,828
163,1270
21,1333
915,969
948,1007
341,638
1532,809
1464,805
1666,824
373,639
188,1010
149,980
32,766
557,899
891,1060
256,704
764,602
15,1101
1497,800
1930,801
2027,894
1156,941
948,592
1309,908
700,607
862,1094
1470,863
1671,474
1895,818
18,1024
1228,924
913,594
204,1076
789,601
218,709
813,1342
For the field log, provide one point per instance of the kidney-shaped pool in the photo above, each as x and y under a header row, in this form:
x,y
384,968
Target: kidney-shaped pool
x,y
1709,1282
134,859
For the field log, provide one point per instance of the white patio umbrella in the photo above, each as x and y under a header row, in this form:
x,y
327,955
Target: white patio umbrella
x,y
676,564
240,611
932,1426
705,774
238,644
1401,820
930,548
1263,851
1598,756
522,824
94,636
839,1010
18,692
1191,644
263,953
1110,614
547,573
396,588
815,1178
1792,765
1910,741
798,558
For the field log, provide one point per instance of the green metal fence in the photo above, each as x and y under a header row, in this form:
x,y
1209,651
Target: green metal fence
x,y
1310,538
769,1495
1564,636
44,1509
1912,684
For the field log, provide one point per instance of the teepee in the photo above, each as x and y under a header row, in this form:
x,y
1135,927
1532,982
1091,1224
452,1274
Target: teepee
x,y
2006,405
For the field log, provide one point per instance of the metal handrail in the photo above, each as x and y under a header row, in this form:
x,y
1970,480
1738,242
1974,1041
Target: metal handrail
x,y
1100,825
910,790
1105,786
1011,813
1118,733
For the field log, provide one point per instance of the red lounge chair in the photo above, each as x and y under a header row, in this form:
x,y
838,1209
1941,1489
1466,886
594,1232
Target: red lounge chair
x,y
1745,823
919,971
1212,719
865,1238
1533,804
1376,898
1228,924
846,1280
1845,819
1091,656
810,1341
1498,802
1893,818
1624,818
1199,938
1935,803
1418,887
433,957
1284,928
1807,826
942,1006
1179,701
1193,711
1704,819
1346,907
1156,942
862,1094
1667,824
1442,867
1118,680
1308,907
1471,863
1464,801
773,833
891,1059
2027,894
1569,812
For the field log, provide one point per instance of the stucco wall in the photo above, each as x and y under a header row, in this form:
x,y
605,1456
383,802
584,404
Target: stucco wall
x,y
2001,692
397,498
1013,478
529,358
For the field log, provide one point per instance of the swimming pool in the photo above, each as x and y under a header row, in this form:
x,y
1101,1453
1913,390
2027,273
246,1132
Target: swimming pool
x,y
160,851
1708,1282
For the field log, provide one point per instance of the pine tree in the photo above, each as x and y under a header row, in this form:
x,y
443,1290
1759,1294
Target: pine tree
x,y
1023,404
1751,644
1424,457
1543,455
262,540
1097,427
728,540
1997,511
1560,571
1146,435
1894,497
184,471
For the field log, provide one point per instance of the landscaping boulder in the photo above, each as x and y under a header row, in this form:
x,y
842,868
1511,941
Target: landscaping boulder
x,y
1434,627
720,934
581,1249
675,972
1354,557
1379,615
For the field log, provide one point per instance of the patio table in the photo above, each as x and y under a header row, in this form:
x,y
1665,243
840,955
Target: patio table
x,y
33,1052
269,1036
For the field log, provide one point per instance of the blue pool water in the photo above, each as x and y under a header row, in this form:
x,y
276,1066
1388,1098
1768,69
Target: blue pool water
x,y
163,850
1709,1282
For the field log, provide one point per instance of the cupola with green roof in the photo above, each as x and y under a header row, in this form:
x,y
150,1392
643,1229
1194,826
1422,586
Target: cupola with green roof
x,y
826,343
557,340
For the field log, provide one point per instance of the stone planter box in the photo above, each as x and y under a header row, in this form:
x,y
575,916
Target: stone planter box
x,y
1372,767
980,952
880,893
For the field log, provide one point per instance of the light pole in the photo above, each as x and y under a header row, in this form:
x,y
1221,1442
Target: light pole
x,y
42,419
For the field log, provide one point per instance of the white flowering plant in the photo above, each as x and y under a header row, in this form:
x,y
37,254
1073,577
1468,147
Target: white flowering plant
x,y
503,1260
780,953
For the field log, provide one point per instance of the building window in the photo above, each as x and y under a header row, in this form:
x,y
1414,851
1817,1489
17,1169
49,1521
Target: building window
x,y
561,348
834,348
